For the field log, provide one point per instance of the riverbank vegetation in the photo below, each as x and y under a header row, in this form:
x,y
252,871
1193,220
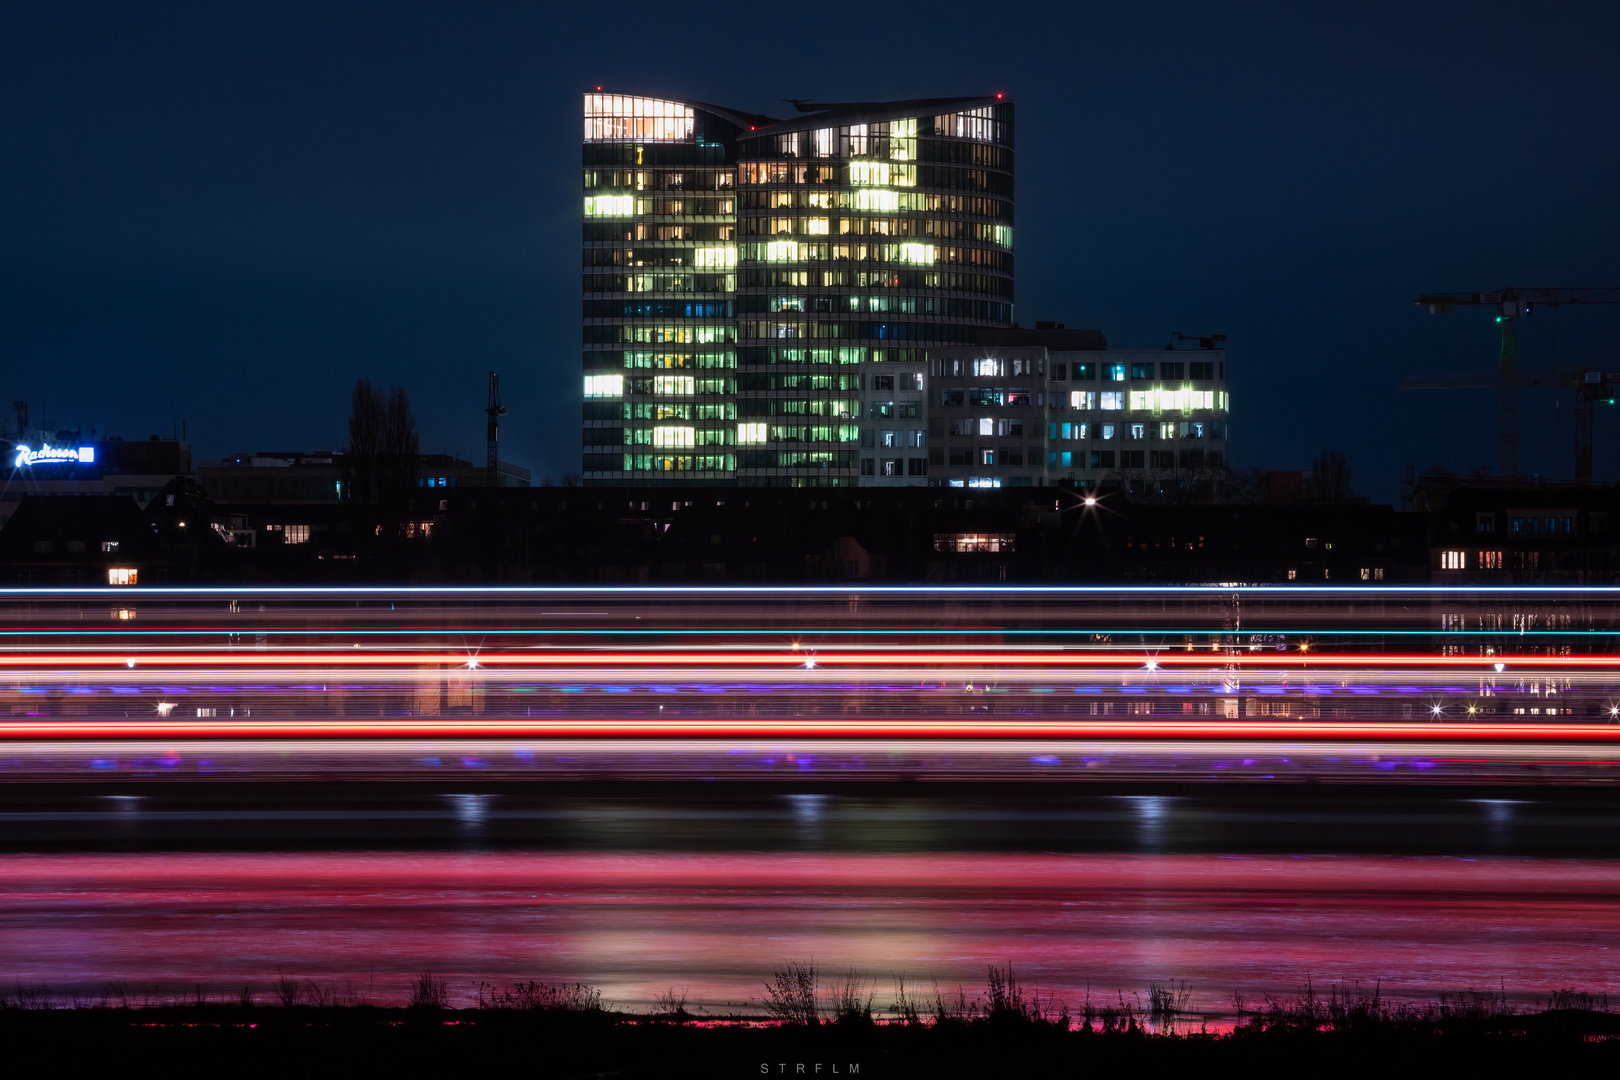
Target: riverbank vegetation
x,y
840,1025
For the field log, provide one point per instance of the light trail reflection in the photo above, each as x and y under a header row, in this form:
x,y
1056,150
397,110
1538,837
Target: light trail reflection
x,y
636,923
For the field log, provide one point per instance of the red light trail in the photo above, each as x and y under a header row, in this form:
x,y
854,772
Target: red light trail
x,y
809,728
822,657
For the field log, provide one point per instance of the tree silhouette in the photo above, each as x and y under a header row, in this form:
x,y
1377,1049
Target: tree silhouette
x,y
1330,474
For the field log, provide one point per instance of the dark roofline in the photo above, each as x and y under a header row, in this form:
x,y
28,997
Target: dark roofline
x,y
1071,339
816,115
740,119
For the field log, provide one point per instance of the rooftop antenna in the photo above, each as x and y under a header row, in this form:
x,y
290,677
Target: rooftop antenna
x,y
22,417
495,410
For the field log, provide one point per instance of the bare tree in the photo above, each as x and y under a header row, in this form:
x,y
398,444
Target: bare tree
x,y
1330,475
383,441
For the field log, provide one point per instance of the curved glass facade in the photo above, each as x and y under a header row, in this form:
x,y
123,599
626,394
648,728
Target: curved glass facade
x,y
741,273
660,280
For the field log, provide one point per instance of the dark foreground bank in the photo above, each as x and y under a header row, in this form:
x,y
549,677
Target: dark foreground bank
x,y
543,1043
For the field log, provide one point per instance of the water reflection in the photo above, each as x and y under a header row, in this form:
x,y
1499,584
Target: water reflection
x,y
1152,813
635,923
709,888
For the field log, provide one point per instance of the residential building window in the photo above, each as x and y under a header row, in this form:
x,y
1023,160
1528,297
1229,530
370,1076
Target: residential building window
x,y
1484,523
974,542
1490,560
1452,560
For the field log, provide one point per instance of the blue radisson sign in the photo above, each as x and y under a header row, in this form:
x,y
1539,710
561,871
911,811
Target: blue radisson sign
x,y
54,455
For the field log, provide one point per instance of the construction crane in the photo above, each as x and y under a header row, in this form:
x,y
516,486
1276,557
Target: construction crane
x,y
1590,388
494,410
1512,305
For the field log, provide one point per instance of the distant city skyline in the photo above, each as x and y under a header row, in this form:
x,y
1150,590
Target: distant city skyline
x,y
225,217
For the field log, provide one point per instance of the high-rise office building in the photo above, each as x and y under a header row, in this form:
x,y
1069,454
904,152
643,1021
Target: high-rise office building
x,y
754,287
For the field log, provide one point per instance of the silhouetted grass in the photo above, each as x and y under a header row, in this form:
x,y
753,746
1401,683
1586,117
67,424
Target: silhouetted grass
x,y
1007,1028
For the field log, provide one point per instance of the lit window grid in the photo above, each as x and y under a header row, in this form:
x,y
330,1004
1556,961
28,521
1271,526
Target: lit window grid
x,y
652,448
914,254
792,252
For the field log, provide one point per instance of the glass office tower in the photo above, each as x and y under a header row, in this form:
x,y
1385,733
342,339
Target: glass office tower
x,y
660,278
743,272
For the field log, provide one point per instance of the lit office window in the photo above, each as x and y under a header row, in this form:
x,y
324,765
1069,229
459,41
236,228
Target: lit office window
x,y
604,386
674,438
611,117
610,205
715,256
876,200
751,433
121,575
674,385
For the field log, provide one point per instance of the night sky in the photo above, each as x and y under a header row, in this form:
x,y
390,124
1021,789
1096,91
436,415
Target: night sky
x,y
225,213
